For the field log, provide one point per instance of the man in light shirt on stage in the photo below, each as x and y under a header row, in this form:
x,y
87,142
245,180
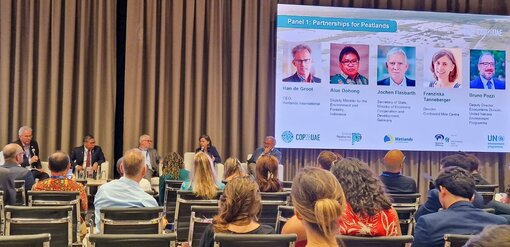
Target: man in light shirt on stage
x,y
152,158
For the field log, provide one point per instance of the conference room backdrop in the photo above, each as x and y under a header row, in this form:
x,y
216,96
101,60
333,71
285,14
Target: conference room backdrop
x,y
173,69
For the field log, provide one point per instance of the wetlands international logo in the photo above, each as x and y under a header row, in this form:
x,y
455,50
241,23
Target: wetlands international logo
x,y
389,139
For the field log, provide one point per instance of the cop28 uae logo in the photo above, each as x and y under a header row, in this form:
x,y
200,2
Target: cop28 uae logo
x,y
287,136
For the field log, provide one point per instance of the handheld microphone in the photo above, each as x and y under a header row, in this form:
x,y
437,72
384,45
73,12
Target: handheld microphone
x,y
33,151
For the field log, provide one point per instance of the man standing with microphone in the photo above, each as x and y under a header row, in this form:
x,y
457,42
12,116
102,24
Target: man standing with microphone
x,y
31,152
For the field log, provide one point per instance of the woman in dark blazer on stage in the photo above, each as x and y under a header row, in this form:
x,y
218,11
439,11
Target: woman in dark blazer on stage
x,y
206,146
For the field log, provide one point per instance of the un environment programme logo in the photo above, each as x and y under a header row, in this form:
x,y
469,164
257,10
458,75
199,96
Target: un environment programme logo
x,y
495,141
389,139
356,137
287,136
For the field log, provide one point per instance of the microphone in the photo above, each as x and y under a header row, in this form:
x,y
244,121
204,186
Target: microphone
x,y
33,150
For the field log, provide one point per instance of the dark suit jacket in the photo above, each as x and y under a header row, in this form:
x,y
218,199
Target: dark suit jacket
x,y
212,152
296,78
433,205
459,218
397,183
77,156
477,83
33,147
7,186
386,82
17,172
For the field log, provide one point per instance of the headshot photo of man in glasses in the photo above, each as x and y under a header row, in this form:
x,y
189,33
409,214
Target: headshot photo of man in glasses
x,y
349,65
487,69
303,62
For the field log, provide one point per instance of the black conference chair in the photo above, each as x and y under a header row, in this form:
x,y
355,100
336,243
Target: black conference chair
x,y
455,240
487,191
116,220
186,199
287,185
284,214
170,198
270,202
21,196
254,240
60,198
389,241
406,219
57,221
34,240
132,240
201,217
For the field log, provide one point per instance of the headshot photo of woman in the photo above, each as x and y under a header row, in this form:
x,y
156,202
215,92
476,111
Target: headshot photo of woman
x,y
445,68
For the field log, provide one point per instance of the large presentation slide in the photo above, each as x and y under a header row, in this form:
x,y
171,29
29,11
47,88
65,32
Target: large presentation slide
x,y
349,78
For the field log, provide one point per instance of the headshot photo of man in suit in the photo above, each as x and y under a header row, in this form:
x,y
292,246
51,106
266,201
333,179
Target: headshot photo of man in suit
x,y
486,77
302,61
395,68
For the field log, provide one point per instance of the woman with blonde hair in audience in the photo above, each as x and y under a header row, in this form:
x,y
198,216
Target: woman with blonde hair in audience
x,y
233,169
173,169
266,174
318,201
368,211
238,209
203,179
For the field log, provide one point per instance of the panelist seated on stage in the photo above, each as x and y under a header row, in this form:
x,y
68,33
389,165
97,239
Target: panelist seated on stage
x,y
87,155
59,165
30,152
152,158
205,145
125,192
267,149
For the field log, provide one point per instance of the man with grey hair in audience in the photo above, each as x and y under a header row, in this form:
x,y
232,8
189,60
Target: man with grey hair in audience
x,y
125,192
13,155
396,65
152,159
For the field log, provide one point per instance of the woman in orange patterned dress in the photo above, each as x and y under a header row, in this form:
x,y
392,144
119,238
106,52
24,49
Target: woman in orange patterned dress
x,y
368,211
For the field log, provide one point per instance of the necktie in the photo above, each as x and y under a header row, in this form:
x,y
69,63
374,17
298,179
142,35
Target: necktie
x,y
489,84
87,163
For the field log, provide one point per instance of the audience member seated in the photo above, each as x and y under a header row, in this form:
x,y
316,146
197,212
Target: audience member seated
x,y
368,211
205,145
318,202
393,180
144,183
267,149
475,163
233,169
432,204
203,180
327,158
238,209
125,192
491,236
267,174
173,169
456,188
501,204
59,165
13,156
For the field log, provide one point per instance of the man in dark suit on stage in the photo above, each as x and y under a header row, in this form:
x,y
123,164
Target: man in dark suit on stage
x,y
152,158
31,152
87,155
456,188
396,65
487,69
302,60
